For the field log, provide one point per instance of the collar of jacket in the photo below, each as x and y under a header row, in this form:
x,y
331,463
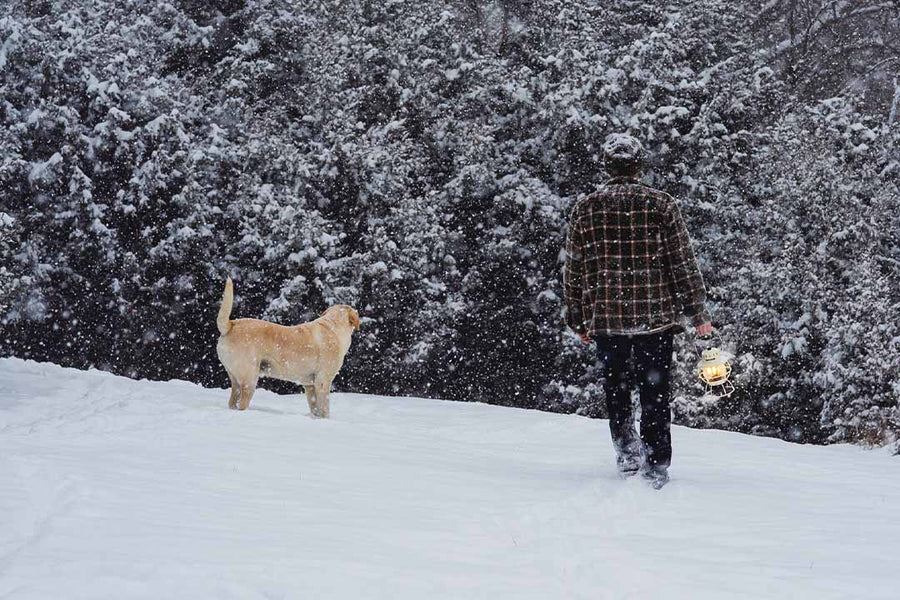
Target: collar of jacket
x,y
617,180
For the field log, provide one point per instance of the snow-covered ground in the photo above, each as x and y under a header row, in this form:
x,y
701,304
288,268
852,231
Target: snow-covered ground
x,y
113,488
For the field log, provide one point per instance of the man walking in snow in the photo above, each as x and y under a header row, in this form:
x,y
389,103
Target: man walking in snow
x,y
629,273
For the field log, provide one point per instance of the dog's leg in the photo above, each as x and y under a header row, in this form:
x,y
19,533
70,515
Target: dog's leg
x,y
322,400
247,390
311,399
235,393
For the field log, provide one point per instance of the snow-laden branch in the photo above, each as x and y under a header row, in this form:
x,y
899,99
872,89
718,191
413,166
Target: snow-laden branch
x,y
817,24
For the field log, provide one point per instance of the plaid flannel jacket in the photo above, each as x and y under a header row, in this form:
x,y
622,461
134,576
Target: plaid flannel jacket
x,y
629,264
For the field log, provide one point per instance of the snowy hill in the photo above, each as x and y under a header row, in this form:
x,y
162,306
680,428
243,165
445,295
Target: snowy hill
x,y
114,488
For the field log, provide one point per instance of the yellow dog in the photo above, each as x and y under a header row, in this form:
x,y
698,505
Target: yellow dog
x,y
310,354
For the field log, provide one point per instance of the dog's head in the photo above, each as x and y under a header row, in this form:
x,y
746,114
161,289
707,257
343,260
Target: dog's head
x,y
353,317
346,312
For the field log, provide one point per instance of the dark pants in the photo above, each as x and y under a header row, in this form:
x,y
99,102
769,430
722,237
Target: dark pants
x,y
651,358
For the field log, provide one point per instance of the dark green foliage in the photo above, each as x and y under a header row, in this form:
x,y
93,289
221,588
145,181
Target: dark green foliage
x,y
418,160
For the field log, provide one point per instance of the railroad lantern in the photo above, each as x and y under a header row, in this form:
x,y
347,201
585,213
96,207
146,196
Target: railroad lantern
x,y
714,371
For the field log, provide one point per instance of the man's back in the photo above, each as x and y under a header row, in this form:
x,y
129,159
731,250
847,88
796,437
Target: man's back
x,y
630,266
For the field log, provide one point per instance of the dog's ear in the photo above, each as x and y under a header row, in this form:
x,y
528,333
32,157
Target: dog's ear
x,y
354,318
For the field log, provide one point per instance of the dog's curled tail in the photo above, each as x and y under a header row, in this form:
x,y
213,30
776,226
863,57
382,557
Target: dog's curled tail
x,y
223,321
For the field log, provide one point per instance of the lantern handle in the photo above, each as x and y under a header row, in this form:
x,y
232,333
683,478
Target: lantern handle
x,y
705,342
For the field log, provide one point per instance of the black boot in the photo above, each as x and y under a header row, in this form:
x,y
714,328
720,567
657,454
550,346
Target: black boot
x,y
630,459
657,476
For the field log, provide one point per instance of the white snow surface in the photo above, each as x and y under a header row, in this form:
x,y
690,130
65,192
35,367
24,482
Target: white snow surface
x,y
114,488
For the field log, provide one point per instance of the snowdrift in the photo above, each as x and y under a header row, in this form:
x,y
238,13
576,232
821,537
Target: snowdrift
x,y
136,489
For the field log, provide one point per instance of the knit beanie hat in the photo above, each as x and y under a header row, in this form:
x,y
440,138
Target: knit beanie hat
x,y
622,148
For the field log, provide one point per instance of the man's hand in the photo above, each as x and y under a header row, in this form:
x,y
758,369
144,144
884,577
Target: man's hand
x,y
585,338
705,329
